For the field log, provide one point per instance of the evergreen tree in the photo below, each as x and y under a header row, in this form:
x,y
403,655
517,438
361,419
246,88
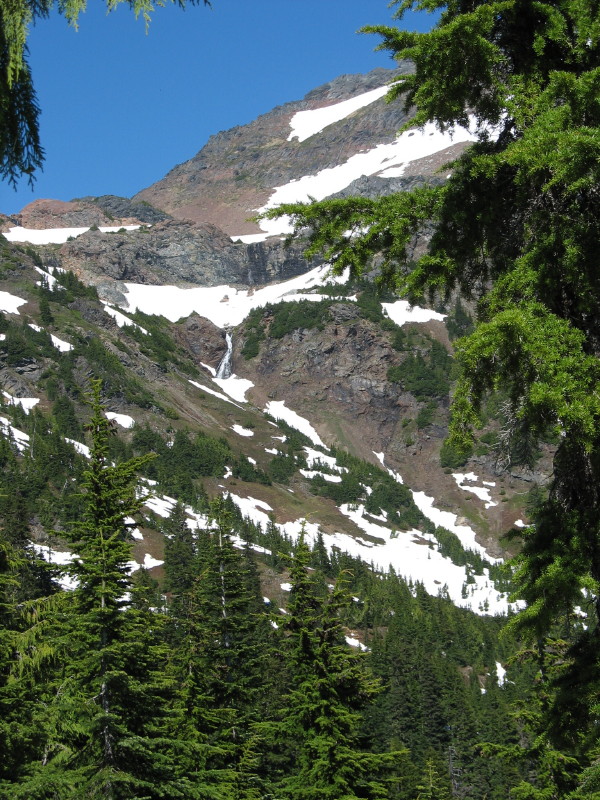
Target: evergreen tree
x,y
330,688
180,563
433,785
221,663
105,722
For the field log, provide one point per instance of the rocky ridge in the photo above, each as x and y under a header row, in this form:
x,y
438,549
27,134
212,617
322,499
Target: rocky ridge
x,y
235,172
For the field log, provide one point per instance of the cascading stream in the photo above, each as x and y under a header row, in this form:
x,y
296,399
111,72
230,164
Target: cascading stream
x,y
224,369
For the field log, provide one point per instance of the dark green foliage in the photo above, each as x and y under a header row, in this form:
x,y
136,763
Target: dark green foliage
x,y
158,343
246,471
387,496
104,728
68,287
185,459
255,333
180,554
459,322
424,377
117,381
282,467
65,418
23,345
330,687
426,415
455,454
224,651
46,316
433,785
202,722
400,340
304,314
369,302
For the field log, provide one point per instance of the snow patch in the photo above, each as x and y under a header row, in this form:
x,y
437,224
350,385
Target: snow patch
x,y
215,394
305,124
312,473
385,160
278,409
242,431
463,481
9,303
122,320
124,420
402,312
354,642
447,520
150,562
60,344
235,387
314,458
26,403
80,448
163,505
66,582
56,235
500,673
20,438
225,305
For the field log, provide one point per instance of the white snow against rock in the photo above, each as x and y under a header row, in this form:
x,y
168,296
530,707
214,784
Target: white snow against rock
x,y
26,403
278,410
20,438
56,235
225,306
122,320
124,420
242,431
465,482
305,124
9,303
385,160
402,312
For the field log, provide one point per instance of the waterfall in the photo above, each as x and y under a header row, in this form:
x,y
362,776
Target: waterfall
x,y
224,369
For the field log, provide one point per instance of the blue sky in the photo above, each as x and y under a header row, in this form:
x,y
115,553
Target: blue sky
x,y
121,108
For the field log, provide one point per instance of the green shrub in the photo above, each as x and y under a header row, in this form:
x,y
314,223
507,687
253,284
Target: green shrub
x,y
426,415
300,314
459,322
453,454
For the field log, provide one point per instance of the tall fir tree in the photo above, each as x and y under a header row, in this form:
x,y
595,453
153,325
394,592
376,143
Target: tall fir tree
x,y
106,700
330,686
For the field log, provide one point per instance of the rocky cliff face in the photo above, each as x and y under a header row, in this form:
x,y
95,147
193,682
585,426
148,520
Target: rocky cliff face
x,y
235,172
102,211
188,218
178,253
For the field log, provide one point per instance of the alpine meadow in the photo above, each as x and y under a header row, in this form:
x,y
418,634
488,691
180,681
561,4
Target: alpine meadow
x,y
270,429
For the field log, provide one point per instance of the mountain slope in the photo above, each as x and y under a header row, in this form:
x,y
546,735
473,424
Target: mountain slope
x,y
360,377
238,170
